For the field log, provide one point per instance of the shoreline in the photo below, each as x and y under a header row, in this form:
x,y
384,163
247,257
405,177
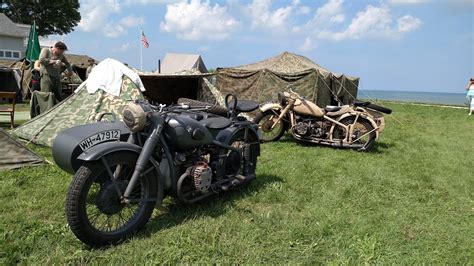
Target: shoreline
x,y
442,105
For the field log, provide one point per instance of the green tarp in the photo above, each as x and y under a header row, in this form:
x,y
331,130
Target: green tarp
x,y
263,80
78,109
15,155
41,102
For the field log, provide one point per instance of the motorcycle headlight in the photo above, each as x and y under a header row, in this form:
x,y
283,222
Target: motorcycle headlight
x,y
134,117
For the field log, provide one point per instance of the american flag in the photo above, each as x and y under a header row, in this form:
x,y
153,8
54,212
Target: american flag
x,y
144,40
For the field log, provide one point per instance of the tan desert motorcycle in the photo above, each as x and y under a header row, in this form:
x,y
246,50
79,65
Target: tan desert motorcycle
x,y
354,126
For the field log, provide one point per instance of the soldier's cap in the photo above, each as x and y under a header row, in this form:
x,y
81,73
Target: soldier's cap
x,y
61,46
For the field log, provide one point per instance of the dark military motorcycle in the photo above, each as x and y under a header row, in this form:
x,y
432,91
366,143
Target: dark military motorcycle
x,y
123,170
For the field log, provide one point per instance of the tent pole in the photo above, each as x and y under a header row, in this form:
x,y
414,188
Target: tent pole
x,y
141,54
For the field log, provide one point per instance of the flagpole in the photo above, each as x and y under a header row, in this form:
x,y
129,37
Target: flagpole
x,y
141,51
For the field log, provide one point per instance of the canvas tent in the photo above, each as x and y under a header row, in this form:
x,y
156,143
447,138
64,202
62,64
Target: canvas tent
x,y
80,63
169,88
13,154
262,81
174,63
82,107
10,79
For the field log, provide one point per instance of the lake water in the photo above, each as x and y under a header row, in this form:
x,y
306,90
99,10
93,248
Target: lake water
x,y
419,97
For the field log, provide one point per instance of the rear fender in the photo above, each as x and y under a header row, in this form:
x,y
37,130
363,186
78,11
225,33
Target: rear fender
x,y
226,135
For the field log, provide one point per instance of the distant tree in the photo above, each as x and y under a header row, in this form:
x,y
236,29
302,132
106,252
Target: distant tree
x,y
211,70
52,17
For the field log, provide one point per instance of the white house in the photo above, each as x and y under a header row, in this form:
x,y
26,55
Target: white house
x,y
13,39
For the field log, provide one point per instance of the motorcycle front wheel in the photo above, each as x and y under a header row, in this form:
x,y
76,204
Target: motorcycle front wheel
x,y
265,120
94,210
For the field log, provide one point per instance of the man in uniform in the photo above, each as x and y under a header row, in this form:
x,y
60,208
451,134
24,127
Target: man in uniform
x,y
52,61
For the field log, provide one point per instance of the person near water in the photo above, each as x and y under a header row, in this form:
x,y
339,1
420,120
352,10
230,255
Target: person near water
x,y
52,62
470,95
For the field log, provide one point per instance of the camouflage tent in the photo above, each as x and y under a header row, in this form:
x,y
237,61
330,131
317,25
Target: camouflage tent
x,y
262,81
15,155
78,109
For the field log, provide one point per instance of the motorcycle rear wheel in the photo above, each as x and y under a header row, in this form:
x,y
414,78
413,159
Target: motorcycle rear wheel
x,y
94,211
264,120
361,127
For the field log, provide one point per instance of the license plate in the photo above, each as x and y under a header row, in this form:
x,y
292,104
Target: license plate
x,y
100,137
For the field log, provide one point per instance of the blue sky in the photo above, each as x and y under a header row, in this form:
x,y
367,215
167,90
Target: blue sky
x,y
409,45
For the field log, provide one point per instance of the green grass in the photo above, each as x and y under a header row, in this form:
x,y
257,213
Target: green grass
x,y
19,107
410,201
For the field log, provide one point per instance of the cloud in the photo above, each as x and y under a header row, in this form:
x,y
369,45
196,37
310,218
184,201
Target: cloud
x,y
263,17
304,10
123,48
307,45
148,2
408,2
198,20
115,29
95,13
97,17
408,23
131,21
328,14
373,22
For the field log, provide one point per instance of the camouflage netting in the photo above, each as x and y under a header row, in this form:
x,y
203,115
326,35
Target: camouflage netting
x,y
14,155
209,93
78,109
263,80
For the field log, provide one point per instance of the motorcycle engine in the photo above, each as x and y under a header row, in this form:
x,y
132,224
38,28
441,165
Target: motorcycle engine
x,y
319,129
302,128
202,176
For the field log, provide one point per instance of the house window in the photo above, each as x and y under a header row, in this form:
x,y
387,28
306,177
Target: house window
x,y
9,54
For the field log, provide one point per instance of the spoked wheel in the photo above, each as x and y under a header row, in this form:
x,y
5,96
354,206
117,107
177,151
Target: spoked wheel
x,y
95,212
265,121
363,133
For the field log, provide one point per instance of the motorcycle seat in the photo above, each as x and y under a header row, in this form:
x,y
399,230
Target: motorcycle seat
x,y
216,122
245,106
331,108
338,111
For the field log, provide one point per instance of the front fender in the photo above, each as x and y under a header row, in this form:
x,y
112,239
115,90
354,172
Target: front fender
x,y
96,152
270,106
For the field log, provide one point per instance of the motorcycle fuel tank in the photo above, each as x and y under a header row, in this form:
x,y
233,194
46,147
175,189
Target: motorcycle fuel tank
x,y
71,142
183,133
307,108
